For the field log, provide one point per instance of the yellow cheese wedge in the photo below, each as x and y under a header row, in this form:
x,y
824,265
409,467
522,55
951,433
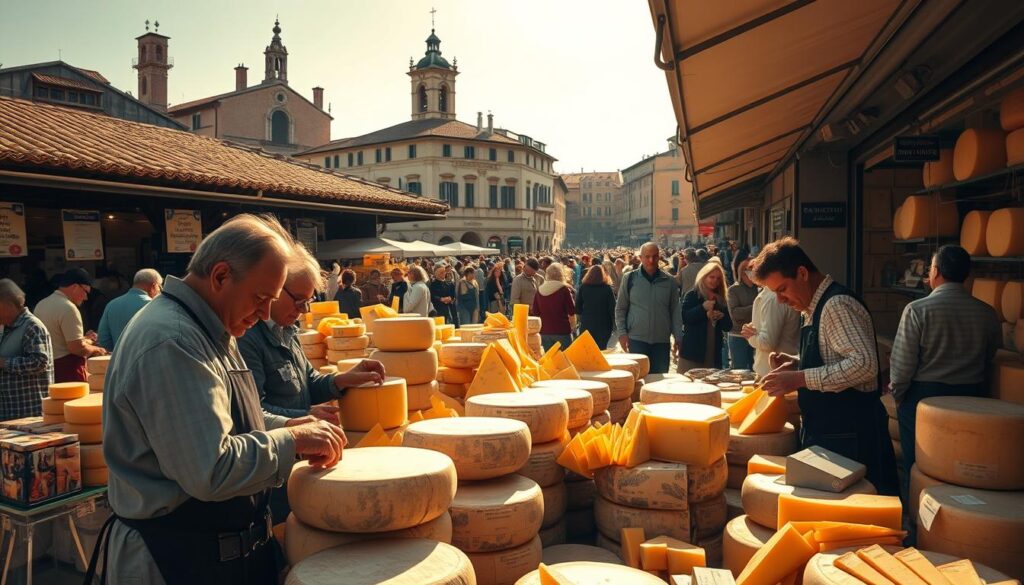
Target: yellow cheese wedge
x,y
979,151
855,566
769,464
856,508
921,566
520,322
785,553
1004,235
86,411
961,572
569,373
585,355
887,565
492,376
631,539
68,390
739,410
769,415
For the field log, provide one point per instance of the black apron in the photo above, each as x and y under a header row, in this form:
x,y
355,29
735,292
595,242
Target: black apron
x,y
211,543
851,422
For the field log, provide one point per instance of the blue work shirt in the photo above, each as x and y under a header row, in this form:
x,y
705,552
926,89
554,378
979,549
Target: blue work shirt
x,y
118,313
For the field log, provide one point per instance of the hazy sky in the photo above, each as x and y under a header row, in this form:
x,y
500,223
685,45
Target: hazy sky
x,y
575,74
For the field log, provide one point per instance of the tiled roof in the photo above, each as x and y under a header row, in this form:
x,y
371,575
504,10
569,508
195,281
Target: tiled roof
x,y
417,129
95,75
73,142
183,108
65,82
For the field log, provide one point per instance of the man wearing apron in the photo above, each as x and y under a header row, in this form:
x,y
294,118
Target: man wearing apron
x,y
836,373
191,454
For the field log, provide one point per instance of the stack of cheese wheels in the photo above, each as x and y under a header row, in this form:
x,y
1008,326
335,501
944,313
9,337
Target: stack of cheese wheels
x,y
321,310
459,362
939,172
599,391
58,395
677,390
620,387
979,151
972,470
496,513
348,341
1004,232
405,345
406,561
592,573
547,416
373,492
84,417
96,367
760,496
533,341
618,410
644,363
925,216
314,347
743,447
821,570
366,406
1011,117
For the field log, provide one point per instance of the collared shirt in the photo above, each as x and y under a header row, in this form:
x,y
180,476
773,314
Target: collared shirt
x,y
63,322
948,336
28,367
118,313
846,338
778,329
524,288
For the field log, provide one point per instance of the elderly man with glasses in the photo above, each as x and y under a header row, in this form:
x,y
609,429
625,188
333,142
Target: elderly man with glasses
x,y
59,313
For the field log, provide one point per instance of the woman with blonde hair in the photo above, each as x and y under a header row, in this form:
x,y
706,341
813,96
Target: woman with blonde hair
x,y
555,305
705,311
417,298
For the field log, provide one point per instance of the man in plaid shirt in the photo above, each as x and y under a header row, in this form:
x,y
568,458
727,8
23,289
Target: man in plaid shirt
x,y
26,356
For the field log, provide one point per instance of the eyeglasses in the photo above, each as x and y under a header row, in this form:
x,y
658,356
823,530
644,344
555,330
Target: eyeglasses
x,y
302,304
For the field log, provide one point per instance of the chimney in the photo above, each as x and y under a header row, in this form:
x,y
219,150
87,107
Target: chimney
x,y
318,97
490,123
479,121
241,77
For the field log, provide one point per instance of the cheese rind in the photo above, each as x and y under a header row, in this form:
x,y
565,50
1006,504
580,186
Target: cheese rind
x,y
404,333
1004,235
742,539
579,552
505,567
546,415
542,465
857,567
87,410
406,561
594,573
599,391
417,367
784,553
364,406
68,390
496,514
760,495
482,448
611,518
643,360
419,394
303,540
921,566
462,355
687,433
857,508
580,403
620,384
88,434
973,233
929,216
97,364
887,565
679,391
979,151
554,504
347,343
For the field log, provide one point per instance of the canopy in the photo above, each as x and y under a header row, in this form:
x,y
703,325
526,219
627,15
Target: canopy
x,y
357,247
464,249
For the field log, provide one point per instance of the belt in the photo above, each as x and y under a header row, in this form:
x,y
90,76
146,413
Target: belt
x,y
238,545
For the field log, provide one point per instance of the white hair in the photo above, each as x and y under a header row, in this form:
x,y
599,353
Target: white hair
x,y
147,276
306,265
11,293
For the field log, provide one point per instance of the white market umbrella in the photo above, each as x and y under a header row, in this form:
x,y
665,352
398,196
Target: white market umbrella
x,y
464,249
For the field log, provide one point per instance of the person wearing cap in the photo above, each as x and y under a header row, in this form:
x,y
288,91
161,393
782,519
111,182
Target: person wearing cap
x,y
26,363
59,313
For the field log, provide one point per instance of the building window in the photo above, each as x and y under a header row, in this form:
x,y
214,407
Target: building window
x,y
443,101
511,156
675,212
492,154
675,188
492,193
145,86
446,150
508,197
412,151
359,158
327,162
414,187
470,195
350,159
197,120
469,152
377,156
608,211
336,165
450,192
423,98
387,154
599,212
279,127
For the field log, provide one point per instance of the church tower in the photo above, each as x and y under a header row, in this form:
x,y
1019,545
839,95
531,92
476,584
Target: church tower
x,y
433,83
152,65
276,57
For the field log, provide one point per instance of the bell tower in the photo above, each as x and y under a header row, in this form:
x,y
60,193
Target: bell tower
x,y
152,64
276,57
433,83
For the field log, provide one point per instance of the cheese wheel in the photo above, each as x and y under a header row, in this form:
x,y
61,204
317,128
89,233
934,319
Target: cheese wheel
x,y
1015,148
734,501
742,539
990,291
53,406
579,402
984,526
323,308
496,514
686,433
1012,301
760,495
743,447
546,415
643,360
708,518
598,390
973,233
455,375
505,567
601,419
899,230
925,216
554,504
821,569
347,343
404,333
637,387
579,495
97,364
88,434
95,476
1011,110
556,534
92,456
1008,378
973,442
618,410
453,390
346,365
303,540
918,482
462,355
352,330
309,337
333,356
364,406
52,419
542,466
979,151
678,391
404,561
315,351
1004,234
661,486
533,324
611,518
617,362
417,367
939,172
482,448
373,489
594,573
578,552
419,395
620,384
68,390
87,410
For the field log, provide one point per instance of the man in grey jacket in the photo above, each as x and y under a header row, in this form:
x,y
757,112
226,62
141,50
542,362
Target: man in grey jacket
x,y
524,285
647,313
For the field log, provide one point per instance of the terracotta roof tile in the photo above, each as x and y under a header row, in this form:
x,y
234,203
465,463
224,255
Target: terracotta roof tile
x,y
417,129
65,82
43,135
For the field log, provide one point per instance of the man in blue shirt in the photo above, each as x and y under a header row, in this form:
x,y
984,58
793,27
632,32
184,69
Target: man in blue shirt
x,y
119,312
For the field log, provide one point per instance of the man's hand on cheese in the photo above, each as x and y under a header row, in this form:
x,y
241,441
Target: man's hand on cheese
x,y
320,442
366,372
781,381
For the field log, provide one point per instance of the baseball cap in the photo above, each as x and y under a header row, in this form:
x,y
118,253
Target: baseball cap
x,y
76,276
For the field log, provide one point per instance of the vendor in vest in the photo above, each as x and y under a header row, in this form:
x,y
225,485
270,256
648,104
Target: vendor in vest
x,y
191,454
836,373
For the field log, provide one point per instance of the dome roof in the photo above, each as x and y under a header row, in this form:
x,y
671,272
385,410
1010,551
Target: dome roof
x,y
433,58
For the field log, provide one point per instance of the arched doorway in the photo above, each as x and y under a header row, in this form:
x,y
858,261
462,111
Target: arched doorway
x,y
423,98
443,100
279,127
472,238
445,240
494,242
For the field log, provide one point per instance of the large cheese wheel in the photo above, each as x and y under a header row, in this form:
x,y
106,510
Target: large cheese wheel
x,y
928,216
643,360
580,494
652,378
462,355
760,495
611,518
53,406
68,390
579,402
1015,148
417,367
554,504
309,337
973,442
448,375
303,540
333,356
419,394
899,230
939,172
95,476
578,552
1012,301
708,518
403,333
481,447
88,434
1004,234
973,233
979,151
92,456
496,514
599,390
594,573
620,384
821,569
52,419
982,525
679,391
555,534
618,410
352,330
403,561
661,486
1008,378
542,465
87,410
546,415
373,489
1011,110
743,538
315,351
347,343
686,433
625,364
97,364
505,567
743,447
990,291
364,406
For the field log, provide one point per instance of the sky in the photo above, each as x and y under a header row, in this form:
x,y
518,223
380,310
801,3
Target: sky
x,y
577,75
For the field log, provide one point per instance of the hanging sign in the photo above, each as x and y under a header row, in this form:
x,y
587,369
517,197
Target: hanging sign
x,y
13,241
826,214
306,233
83,238
916,149
184,229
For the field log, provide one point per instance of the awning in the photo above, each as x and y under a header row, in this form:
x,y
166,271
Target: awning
x,y
357,247
464,249
749,79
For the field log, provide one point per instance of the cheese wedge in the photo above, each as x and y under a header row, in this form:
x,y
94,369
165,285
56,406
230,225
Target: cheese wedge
x,y
631,539
783,554
584,354
856,508
855,566
887,565
921,566
768,415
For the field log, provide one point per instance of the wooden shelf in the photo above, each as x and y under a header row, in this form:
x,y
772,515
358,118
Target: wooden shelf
x,y
987,177
932,240
994,259
918,293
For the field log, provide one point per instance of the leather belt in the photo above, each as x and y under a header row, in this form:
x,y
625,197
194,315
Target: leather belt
x,y
236,545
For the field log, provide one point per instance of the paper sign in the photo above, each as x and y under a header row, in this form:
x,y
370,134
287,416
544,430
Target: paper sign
x,y
927,511
83,238
184,229
13,241
306,233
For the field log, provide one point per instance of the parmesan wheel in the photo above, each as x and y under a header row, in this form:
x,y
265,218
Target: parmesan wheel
x,y
462,355
347,343
620,384
546,415
617,362
678,391
496,514
1015,148
84,411
96,476
417,367
578,552
708,518
505,567
579,402
1011,111
482,448
455,375
979,151
618,410
419,395
317,351
1012,301
373,489
97,364
821,570
611,518
555,534
661,486
598,390
652,378
404,333
899,230
554,504
303,540
542,466
743,447
743,538
351,330
1004,234
68,390
92,456
941,171
309,337
580,494
760,495
973,442
364,406
88,434
925,216
405,561
595,573
643,360
973,233
337,356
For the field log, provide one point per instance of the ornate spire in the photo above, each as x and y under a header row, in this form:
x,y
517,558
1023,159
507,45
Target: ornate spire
x,y
277,29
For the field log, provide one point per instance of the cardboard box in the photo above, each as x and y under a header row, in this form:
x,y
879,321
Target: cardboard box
x,y
38,468
708,576
821,469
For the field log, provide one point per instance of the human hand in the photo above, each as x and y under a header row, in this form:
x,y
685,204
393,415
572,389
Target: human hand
x,y
91,336
624,343
320,442
365,372
781,361
327,412
716,315
709,305
748,331
294,422
780,382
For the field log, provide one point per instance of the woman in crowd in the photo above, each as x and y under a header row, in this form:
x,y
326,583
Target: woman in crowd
x,y
595,304
705,319
495,289
554,304
417,298
442,295
741,306
467,297
348,296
